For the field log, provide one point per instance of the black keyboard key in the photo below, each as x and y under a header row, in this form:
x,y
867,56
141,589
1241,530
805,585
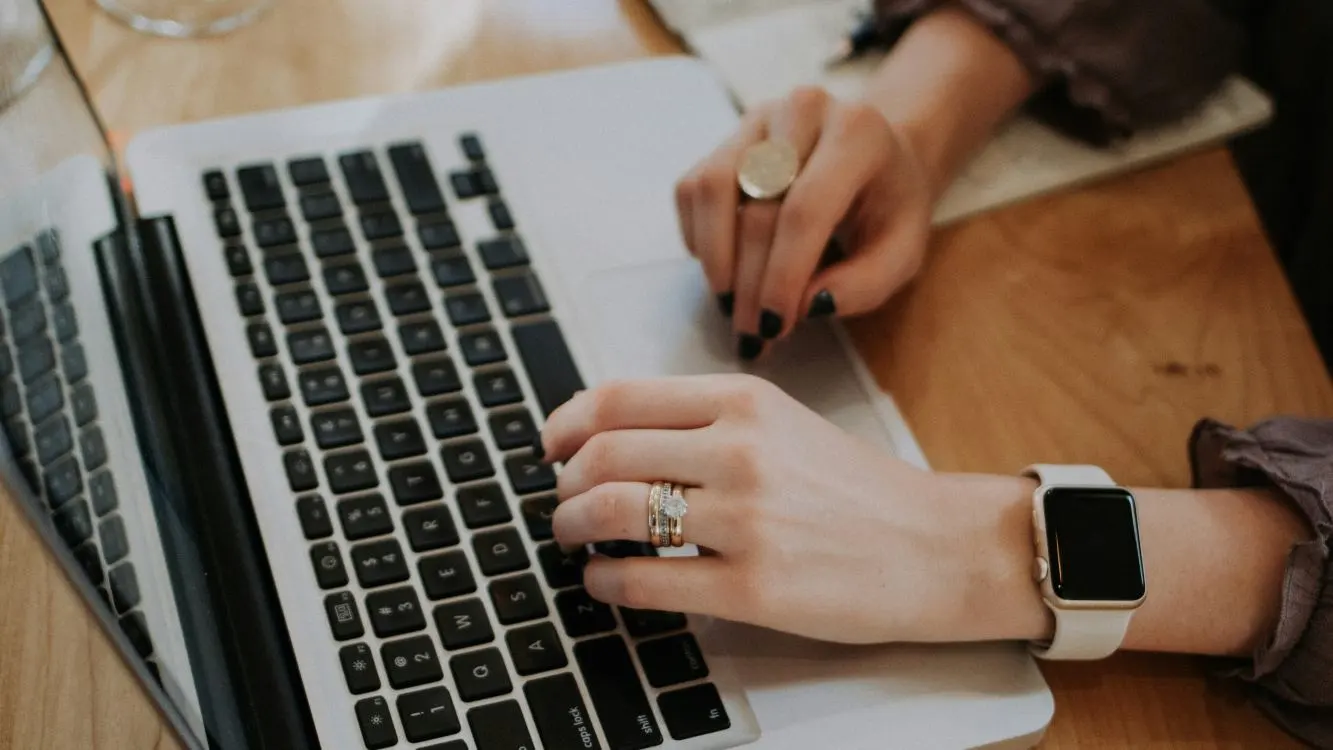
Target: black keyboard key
x,y
19,440
323,385
63,480
6,361
57,284
357,317
102,492
407,298
497,387
376,722
480,674
310,346
451,418
693,711
115,544
528,474
512,429
379,563
537,512
37,357
345,278
430,528
315,523
561,570
299,306
359,668
547,360
238,260
446,575
301,474
613,685
621,548
332,242
465,461
260,186
274,232
421,337
72,362
28,321
383,397
328,562
381,225
672,660
518,599
503,252
582,615
136,630
48,246
436,376
215,185
365,516
364,180
481,347
320,206
400,438
415,483
18,276
427,715
642,623
500,726
350,472
93,447
124,588
486,181
336,428
521,295
261,340
438,235
74,523
411,662
84,404
535,648
344,618
471,145
44,399
500,215
12,398
307,171
395,612
483,505
91,562
53,440
226,223
557,709
371,355
467,309
393,261
452,270
249,299
288,268
416,178
274,382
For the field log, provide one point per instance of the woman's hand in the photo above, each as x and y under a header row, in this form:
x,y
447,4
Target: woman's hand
x,y
803,527
859,182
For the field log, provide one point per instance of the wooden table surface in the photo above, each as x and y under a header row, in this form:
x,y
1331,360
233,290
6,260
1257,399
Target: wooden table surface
x,y
1096,325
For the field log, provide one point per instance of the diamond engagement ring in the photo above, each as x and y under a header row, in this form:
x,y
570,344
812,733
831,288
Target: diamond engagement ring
x,y
666,508
674,508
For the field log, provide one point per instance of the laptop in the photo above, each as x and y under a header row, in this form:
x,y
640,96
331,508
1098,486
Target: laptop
x,y
272,412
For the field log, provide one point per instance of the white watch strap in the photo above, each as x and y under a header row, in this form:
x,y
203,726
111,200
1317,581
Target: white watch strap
x,y
1082,475
1085,634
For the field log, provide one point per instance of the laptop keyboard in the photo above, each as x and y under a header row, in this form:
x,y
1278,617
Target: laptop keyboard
x,y
51,421
406,435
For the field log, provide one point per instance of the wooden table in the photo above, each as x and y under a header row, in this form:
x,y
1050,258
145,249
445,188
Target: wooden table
x,y
1096,325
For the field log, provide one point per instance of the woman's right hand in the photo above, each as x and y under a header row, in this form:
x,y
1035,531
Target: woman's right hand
x,y
860,182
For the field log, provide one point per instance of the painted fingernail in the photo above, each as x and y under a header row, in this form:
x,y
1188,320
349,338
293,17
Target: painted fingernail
x,y
770,324
822,305
538,450
726,301
750,346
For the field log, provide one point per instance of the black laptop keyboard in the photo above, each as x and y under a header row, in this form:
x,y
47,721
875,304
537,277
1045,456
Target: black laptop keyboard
x,y
388,540
53,427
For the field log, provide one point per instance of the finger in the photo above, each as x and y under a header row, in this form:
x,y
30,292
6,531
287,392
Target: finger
x,y
865,280
758,220
818,200
714,205
685,190
680,456
618,511
694,585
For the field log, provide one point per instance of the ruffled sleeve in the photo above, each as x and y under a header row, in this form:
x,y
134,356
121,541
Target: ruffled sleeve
x,y
1106,67
1290,675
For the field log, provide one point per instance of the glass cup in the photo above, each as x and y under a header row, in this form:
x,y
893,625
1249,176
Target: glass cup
x,y
185,18
26,48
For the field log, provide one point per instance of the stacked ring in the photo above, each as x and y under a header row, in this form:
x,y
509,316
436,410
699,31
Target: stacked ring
x,y
666,511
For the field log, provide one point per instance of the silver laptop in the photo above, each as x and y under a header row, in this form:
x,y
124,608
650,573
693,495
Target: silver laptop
x,y
274,416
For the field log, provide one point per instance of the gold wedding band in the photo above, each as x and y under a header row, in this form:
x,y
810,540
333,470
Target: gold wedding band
x,y
666,511
767,169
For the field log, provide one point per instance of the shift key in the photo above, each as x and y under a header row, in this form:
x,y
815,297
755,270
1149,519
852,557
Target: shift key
x,y
562,719
627,719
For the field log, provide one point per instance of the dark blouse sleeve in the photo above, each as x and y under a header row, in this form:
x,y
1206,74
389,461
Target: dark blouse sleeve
x,y
1291,675
1106,68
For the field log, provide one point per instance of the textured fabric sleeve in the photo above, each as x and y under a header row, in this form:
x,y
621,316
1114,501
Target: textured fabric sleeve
x,y
1291,675
1105,68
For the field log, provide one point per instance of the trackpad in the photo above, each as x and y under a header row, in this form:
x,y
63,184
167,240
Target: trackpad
x,y
661,319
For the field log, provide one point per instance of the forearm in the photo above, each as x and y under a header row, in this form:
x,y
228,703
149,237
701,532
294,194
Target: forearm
x,y
947,84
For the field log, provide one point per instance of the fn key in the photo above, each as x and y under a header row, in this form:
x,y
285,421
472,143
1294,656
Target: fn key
x,y
693,711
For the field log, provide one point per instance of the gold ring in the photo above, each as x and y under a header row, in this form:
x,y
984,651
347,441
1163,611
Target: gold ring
x,y
659,529
767,169
673,507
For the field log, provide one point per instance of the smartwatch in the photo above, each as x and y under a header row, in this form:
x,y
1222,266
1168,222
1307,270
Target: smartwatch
x,y
1088,561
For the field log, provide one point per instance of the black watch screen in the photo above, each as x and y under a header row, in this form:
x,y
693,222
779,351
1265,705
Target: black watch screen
x,y
1092,538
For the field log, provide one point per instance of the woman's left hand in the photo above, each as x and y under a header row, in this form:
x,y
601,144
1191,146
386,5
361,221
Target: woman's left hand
x,y
803,527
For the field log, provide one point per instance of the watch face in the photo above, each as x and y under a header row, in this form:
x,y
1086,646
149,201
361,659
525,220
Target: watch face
x,y
1092,537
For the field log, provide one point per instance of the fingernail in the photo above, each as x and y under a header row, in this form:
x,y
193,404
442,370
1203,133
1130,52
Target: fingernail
x,y
538,450
750,346
770,324
822,305
726,301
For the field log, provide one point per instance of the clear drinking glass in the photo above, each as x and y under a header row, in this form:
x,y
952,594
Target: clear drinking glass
x,y
25,48
185,18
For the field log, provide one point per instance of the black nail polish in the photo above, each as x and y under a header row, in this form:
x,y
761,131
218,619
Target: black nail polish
x,y
726,301
538,450
750,346
822,305
770,324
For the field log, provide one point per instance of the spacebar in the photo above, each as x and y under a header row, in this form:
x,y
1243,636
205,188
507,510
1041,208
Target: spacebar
x,y
614,687
550,366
